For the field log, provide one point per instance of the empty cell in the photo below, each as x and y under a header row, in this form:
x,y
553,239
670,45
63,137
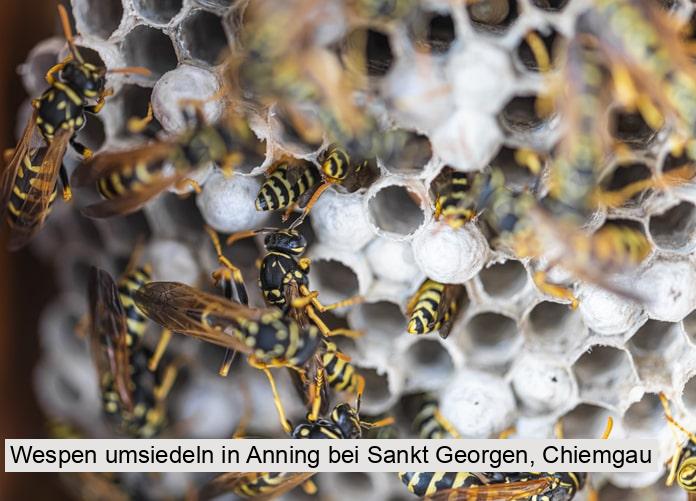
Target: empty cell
x,y
605,374
92,134
654,337
377,392
585,421
99,17
333,278
368,52
630,177
149,48
396,209
645,418
432,32
689,395
630,128
158,11
428,364
410,158
556,326
550,5
519,116
134,102
690,326
383,317
504,280
675,229
493,16
491,337
203,37
549,38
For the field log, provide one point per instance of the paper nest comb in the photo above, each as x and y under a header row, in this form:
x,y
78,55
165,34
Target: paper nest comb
x,y
514,355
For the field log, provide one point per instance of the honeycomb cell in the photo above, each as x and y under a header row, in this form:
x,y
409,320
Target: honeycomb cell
x,y
429,364
368,51
645,418
517,177
133,100
411,158
555,326
541,383
92,134
675,229
550,5
520,117
623,176
493,16
220,4
382,322
690,327
504,280
432,32
586,421
98,17
158,11
149,48
550,38
689,395
377,396
395,209
339,220
202,36
490,338
336,279
604,374
629,128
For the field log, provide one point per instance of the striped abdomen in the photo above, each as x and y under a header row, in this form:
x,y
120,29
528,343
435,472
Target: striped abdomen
x,y
425,423
258,484
340,373
428,483
455,203
28,176
127,285
425,316
277,192
336,163
128,179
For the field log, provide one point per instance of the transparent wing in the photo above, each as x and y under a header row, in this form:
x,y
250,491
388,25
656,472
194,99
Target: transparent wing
x,y
229,482
494,492
7,177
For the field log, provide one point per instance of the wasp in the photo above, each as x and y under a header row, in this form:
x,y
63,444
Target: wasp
x,y
343,423
453,199
133,395
28,182
683,464
285,185
434,307
129,179
429,422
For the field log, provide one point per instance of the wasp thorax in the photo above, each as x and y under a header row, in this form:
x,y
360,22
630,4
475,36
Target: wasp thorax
x,y
289,241
84,78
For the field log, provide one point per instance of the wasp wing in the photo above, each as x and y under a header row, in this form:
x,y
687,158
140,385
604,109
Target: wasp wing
x,y
109,333
230,482
451,292
9,173
34,207
185,309
495,492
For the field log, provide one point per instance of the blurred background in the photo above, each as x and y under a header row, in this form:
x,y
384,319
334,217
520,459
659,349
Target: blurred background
x,y
25,285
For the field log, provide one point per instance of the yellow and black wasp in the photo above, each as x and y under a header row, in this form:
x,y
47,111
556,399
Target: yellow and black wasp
x,y
28,181
343,423
434,307
285,185
129,179
683,464
429,422
134,397
453,203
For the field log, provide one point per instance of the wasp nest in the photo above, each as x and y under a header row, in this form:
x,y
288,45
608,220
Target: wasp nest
x,y
463,81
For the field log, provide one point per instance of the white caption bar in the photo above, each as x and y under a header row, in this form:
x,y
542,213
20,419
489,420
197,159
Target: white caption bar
x,y
246,455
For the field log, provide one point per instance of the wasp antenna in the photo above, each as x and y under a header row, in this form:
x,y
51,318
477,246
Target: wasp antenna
x,y
133,70
67,31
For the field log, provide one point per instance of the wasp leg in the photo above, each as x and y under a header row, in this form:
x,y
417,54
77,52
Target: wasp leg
x,y
161,347
536,44
285,423
229,273
180,185
445,423
315,196
65,181
315,394
100,102
137,125
230,162
80,148
163,389
377,424
227,361
241,235
310,488
50,74
530,159
557,291
244,421
311,297
507,432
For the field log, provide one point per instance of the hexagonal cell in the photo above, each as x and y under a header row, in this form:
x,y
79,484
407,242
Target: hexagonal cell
x,y
203,37
624,175
549,38
429,364
92,134
377,393
492,16
149,48
520,117
604,374
382,316
689,395
432,32
367,51
690,326
394,210
680,166
586,421
504,280
333,278
550,5
556,327
158,11
104,16
629,128
134,101
490,338
517,176
645,418
410,158
654,337
675,229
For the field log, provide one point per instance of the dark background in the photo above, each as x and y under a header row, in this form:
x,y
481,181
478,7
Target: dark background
x,y
25,285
